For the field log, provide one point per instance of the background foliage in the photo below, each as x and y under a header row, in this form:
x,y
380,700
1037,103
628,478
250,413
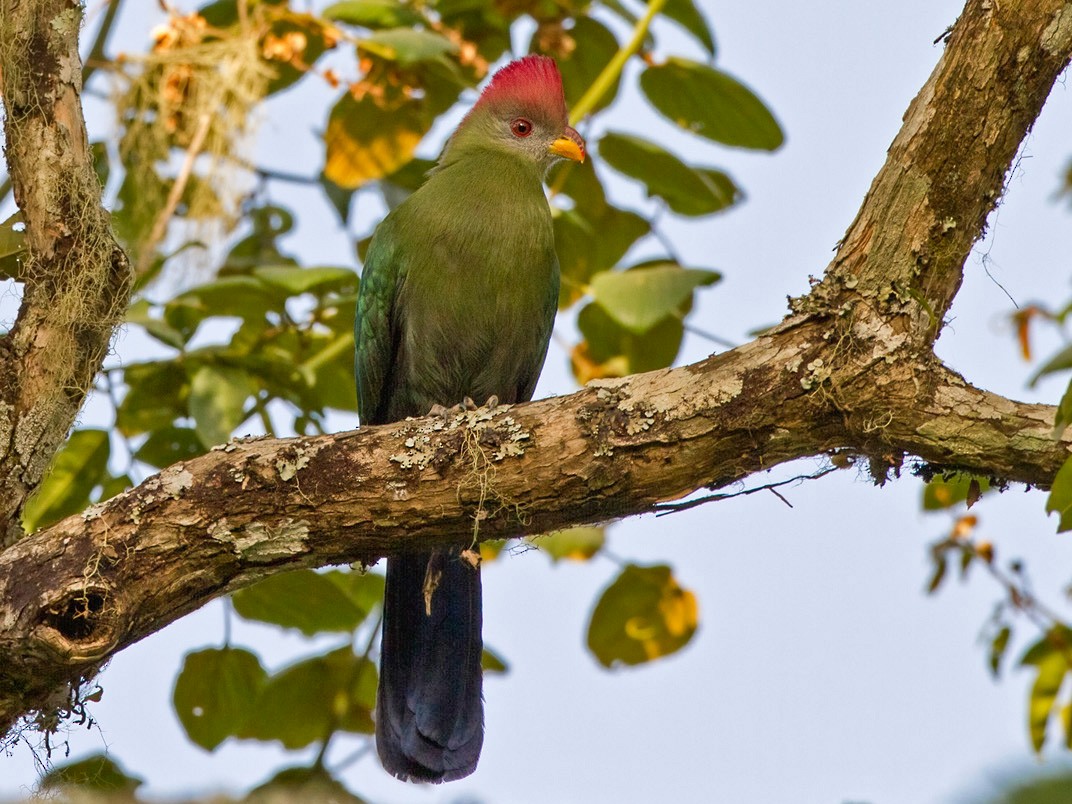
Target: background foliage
x,y
252,339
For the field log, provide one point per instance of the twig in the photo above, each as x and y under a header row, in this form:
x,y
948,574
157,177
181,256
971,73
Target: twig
x,y
662,509
148,249
614,67
96,58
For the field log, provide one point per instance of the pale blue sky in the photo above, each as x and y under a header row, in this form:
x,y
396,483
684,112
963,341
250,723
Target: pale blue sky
x,y
821,673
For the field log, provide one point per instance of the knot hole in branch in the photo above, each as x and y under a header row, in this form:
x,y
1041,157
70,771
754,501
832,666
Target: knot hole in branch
x,y
81,623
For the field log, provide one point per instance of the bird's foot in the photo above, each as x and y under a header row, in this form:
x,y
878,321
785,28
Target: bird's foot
x,y
465,406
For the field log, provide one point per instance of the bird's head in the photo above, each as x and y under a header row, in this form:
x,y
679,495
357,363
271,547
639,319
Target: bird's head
x,y
523,111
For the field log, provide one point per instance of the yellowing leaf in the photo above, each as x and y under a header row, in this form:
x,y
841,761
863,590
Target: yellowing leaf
x,y
611,350
12,246
572,544
303,703
366,141
945,491
491,662
1041,704
643,615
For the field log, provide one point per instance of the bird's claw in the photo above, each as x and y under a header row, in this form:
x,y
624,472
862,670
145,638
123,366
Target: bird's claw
x,y
466,405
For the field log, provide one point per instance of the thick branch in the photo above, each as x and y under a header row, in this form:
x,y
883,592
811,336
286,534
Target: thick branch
x,y
852,370
93,584
76,280
903,255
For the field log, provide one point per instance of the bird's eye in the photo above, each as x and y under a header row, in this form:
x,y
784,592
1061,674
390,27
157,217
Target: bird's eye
x,y
521,127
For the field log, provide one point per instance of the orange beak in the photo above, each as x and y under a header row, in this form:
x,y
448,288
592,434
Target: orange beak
x,y
570,145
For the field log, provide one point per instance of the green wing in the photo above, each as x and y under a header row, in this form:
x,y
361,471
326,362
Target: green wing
x,y
375,329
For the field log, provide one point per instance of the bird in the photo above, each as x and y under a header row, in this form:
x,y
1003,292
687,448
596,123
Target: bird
x,y
457,300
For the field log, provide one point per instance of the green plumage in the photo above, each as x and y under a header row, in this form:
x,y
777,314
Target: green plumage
x,y
458,297
459,291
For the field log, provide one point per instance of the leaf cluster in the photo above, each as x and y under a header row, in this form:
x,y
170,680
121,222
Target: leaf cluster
x,y
248,337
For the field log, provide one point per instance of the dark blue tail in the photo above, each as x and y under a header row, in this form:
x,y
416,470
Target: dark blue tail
x,y
429,709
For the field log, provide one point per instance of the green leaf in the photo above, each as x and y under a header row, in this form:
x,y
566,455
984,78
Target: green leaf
x,y
245,297
1043,698
365,589
640,298
305,702
223,13
596,46
1060,499
407,46
573,544
945,491
366,141
169,445
218,397
332,366
1062,361
643,615
140,313
491,662
98,773
401,184
113,485
12,246
340,198
588,242
578,181
314,784
261,246
156,396
216,691
372,14
998,645
711,103
611,350
304,599
688,16
687,190
77,468
941,567
1063,418
295,281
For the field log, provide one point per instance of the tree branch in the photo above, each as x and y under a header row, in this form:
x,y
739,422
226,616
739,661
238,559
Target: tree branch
x,y
76,278
852,369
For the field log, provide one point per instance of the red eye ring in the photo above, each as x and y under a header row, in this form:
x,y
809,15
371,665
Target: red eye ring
x,y
520,127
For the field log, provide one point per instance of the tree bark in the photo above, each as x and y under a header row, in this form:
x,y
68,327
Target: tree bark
x,y
75,279
851,370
